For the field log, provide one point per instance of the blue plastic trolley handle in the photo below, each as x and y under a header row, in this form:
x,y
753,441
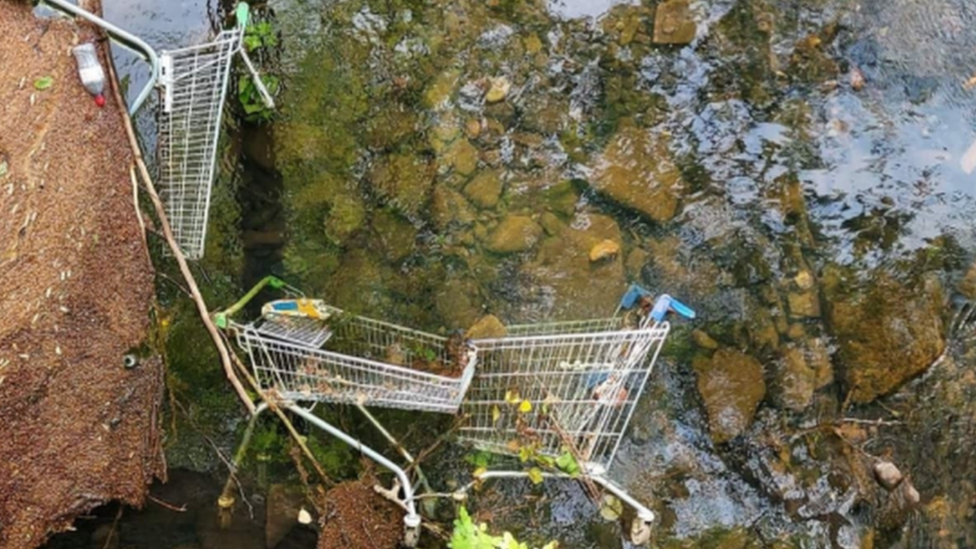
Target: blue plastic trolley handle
x,y
663,305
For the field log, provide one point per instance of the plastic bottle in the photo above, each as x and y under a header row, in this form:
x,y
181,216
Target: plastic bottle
x,y
90,71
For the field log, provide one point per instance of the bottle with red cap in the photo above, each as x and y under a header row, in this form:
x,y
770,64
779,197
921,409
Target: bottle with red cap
x,y
90,71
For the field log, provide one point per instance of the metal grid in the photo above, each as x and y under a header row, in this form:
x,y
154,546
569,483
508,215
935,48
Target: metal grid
x,y
366,362
310,332
580,381
194,86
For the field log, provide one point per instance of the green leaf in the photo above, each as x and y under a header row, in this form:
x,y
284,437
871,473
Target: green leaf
x,y
43,83
535,475
567,464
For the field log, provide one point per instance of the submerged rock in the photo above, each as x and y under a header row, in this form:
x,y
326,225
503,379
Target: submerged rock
x,y
887,474
498,90
485,189
579,287
636,170
604,249
887,334
516,233
674,23
448,208
731,385
404,181
795,380
458,302
487,327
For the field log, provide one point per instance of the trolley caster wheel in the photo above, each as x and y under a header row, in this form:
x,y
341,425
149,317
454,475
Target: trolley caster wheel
x,y
411,536
640,531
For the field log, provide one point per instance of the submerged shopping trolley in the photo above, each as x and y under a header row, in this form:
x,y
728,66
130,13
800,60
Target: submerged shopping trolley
x,y
192,84
545,391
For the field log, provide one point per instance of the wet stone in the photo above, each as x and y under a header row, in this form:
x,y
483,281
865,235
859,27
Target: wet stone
x,y
674,23
448,207
462,156
887,334
731,385
551,224
456,302
485,189
887,474
636,171
605,249
636,260
486,327
703,340
795,380
803,304
516,233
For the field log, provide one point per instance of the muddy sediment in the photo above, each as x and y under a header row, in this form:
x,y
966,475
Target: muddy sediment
x,y
77,428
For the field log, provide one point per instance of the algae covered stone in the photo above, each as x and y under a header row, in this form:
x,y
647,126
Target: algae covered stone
x,y
485,189
673,23
516,233
888,334
636,171
486,327
403,181
731,385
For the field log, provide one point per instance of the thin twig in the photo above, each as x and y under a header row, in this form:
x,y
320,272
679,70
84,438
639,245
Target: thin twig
x,y
111,532
171,507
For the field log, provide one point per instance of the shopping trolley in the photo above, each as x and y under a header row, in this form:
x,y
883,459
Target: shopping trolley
x,y
545,391
193,86
561,394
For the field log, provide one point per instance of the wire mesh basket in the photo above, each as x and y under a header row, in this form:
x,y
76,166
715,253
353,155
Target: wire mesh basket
x,y
193,83
307,350
553,388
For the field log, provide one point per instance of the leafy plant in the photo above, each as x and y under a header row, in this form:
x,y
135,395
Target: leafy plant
x,y
260,35
247,92
468,535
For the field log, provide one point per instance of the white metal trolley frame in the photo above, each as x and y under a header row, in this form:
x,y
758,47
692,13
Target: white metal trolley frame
x,y
551,389
193,86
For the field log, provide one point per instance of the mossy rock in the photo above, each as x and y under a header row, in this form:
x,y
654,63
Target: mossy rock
x,y
347,215
731,385
394,237
795,379
449,208
461,156
674,23
636,171
582,289
458,302
403,181
515,233
888,333
485,189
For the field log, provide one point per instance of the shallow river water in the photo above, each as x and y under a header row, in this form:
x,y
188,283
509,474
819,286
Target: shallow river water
x,y
796,170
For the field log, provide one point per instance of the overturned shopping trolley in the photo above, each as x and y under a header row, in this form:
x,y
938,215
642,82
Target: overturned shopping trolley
x,y
193,85
547,390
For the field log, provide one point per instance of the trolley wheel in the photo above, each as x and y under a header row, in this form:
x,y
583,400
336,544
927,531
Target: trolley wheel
x,y
640,531
411,536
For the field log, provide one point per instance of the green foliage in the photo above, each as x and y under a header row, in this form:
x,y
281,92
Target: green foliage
x,y
247,93
468,535
567,464
260,35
